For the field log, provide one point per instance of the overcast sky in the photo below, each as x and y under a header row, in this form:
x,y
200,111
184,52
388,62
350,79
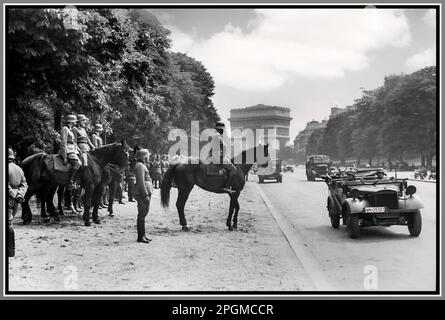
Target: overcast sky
x,y
305,59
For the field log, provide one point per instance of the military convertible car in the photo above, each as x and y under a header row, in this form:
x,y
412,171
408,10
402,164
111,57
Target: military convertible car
x,y
362,203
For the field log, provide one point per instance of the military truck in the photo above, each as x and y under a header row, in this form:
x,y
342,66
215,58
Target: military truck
x,y
317,166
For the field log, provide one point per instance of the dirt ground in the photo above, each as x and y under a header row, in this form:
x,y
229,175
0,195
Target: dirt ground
x,y
106,257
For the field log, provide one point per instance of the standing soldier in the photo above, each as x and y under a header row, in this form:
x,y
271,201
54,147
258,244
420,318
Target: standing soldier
x,y
157,171
96,140
142,192
130,179
17,188
69,149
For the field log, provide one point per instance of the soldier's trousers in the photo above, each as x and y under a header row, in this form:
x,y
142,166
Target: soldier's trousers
x,y
130,185
11,234
143,208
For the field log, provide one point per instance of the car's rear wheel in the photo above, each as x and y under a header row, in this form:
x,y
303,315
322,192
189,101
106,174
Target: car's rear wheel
x,y
335,218
261,180
352,226
415,224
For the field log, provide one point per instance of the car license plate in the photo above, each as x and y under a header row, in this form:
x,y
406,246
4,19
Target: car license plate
x,y
375,210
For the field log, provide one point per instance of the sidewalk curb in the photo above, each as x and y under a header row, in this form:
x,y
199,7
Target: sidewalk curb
x,y
307,260
417,180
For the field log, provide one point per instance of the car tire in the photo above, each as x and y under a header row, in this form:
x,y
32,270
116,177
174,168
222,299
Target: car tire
x,y
335,218
261,180
352,226
415,224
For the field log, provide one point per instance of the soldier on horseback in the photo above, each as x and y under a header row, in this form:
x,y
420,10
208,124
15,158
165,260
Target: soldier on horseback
x,y
82,139
69,149
96,140
222,157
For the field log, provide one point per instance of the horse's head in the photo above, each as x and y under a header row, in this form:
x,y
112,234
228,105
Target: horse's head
x,y
119,154
262,155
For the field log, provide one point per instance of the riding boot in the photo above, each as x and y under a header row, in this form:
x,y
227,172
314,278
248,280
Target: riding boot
x,y
76,200
11,242
72,185
228,183
141,231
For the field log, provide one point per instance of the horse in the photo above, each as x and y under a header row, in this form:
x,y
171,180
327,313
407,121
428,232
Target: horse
x,y
44,180
185,174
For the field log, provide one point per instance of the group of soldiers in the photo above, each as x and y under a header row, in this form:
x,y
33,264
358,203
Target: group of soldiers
x,y
138,180
74,146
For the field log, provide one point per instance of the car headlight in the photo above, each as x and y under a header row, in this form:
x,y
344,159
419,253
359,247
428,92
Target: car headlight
x,y
410,190
354,193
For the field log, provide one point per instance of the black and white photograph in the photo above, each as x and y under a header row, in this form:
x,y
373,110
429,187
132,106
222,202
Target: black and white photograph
x,y
218,149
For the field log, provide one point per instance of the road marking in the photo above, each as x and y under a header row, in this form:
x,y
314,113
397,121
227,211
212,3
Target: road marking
x,y
307,260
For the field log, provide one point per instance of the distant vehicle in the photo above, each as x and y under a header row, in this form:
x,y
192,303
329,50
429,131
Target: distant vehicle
x,y
288,168
432,174
271,172
317,166
365,203
420,173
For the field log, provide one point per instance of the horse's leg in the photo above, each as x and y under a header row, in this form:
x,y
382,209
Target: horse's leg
x,y
67,198
50,203
111,191
229,217
183,194
26,210
236,205
42,195
89,187
95,201
60,195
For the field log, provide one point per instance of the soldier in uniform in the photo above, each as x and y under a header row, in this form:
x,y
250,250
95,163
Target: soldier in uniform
x,y
96,140
17,188
131,180
69,149
223,159
83,141
85,145
142,192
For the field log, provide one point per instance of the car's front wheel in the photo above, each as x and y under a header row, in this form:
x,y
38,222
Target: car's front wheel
x,y
335,218
352,226
415,224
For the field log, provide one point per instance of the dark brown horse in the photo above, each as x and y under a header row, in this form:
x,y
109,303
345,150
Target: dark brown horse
x,y
186,175
44,180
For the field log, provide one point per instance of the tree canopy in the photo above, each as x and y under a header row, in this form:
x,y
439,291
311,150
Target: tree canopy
x,y
114,65
394,121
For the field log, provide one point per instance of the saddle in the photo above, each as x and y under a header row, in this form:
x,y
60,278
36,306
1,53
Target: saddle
x,y
215,170
59,166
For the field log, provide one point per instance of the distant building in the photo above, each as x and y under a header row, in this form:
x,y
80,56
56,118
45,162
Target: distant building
x,y
300,141
263,117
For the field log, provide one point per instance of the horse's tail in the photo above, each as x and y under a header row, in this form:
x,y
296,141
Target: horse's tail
x,y
166,186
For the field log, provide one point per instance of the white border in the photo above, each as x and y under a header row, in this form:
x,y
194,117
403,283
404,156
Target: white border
x,y
338,294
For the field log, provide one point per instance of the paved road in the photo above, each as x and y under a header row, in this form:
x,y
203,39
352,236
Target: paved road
x,y
402,262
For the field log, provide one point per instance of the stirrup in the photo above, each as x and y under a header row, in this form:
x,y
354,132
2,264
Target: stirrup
x,y
228,190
